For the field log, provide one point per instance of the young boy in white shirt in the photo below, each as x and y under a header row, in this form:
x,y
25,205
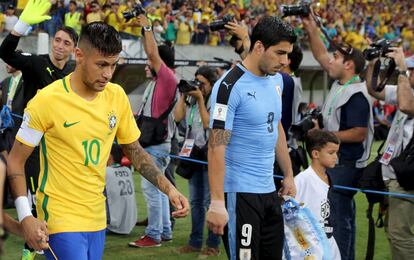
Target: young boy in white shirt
x,y
313,184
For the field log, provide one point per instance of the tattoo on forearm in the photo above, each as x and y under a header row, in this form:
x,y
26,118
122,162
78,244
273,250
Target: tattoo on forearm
x,y
218,137
13,176
142,161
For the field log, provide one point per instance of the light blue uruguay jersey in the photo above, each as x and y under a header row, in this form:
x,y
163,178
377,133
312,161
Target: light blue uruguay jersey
x,y
250,107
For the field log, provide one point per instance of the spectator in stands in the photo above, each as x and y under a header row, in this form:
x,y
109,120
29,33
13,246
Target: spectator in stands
x,y
10,19
158,101
347,113
194,107
73,18
57,13
158,30
113,16
96,14
202,31
400,219
185,29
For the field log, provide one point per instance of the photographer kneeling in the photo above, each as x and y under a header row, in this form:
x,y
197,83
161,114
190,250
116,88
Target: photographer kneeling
x,y
400,214
194,106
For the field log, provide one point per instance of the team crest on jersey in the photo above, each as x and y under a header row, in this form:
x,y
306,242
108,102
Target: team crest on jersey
x,y
111,120
279,90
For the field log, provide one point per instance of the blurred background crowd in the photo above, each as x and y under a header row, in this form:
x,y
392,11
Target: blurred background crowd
x,y
187,22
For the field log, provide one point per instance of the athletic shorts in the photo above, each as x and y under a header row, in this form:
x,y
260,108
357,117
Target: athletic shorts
x,y
76,245
255,228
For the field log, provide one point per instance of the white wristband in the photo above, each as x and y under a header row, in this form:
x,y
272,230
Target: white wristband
x,y
21,27
22,207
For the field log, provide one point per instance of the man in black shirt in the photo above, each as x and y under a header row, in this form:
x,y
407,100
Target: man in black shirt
x,y
40,70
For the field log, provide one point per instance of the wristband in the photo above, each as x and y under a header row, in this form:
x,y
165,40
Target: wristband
x,y
22,207
21,27
218,206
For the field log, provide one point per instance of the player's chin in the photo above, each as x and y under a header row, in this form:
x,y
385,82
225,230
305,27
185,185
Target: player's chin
x,y
100,85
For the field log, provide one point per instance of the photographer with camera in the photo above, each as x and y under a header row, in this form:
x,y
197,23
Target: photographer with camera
x,y
400,213
347,113
196,111
157,127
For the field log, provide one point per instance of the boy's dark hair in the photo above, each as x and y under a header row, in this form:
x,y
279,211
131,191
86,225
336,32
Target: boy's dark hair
x,y
116,152
102,37
271,30
208,73
73,2
166,52
295,58
316,139
71,32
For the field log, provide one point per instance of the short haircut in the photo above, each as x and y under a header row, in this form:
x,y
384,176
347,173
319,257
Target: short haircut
x,y
295,57
116,152
167,55
73,2
316,139
207,72
102,37
71,32
271,30
354,55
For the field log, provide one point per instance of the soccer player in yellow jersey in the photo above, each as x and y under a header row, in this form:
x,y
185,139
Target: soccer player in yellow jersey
x,y
75,121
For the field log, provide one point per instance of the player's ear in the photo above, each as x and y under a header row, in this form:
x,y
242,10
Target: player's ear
x,y
79,55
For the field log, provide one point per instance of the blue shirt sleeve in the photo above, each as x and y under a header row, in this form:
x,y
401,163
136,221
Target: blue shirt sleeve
x,y
224,103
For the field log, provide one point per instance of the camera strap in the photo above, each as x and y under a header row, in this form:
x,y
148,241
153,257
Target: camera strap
x,y
375,74
339,91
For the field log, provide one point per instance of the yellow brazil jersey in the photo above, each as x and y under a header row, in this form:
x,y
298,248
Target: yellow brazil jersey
x,y
75,137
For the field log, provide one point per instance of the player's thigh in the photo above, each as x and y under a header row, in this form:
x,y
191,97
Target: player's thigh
x,y
244,226
67,245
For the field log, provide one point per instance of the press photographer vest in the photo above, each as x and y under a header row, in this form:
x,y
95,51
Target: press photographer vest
x,y
331,111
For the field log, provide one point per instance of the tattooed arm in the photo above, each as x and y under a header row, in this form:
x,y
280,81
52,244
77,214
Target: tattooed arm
x,y
34,231
144,164
15,168
217,215
217,143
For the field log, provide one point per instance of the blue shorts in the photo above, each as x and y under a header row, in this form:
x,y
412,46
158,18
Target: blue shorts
x,y
76,245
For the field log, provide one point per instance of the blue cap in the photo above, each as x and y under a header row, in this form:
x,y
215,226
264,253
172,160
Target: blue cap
x,y
410,62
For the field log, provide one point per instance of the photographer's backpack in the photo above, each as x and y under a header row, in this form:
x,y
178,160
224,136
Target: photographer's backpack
x,y
371,179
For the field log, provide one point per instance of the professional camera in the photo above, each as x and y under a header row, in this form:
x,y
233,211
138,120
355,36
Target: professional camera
x,y
301,9
185,86
219,24
299,129
377,49
137,10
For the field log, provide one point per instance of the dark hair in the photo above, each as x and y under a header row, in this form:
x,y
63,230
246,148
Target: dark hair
x,y
208,73
102,37
271,30
71,32
316,139
295,57
166,52
116,152
358,58
73,2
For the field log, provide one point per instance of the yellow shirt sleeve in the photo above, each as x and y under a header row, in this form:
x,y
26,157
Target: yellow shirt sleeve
x,y
128,131
37,112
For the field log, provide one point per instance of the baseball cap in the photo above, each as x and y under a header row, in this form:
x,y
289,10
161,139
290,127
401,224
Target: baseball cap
x,y
410,62
10,6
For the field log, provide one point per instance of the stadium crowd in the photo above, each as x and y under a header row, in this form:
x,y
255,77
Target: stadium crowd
x,y
247,123
187,22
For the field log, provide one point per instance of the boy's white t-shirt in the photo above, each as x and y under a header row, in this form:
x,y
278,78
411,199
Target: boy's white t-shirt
x,y
312,191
